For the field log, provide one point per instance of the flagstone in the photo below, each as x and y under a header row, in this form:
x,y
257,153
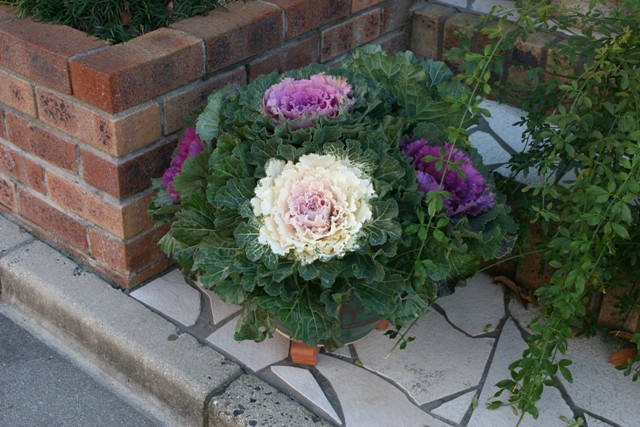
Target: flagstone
x,y
522,316
597,385
220,310
594,422
440,362
455,409
172,296
255,356
368,400
509,349
476,308
305,384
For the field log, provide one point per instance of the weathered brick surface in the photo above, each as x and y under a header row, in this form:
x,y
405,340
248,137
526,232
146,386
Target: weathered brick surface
x,y
129,256
397,41
124,178
246,29
123,221
127,281
611,316
7,12
41,51
40,141
533,51
52,220
3,128
427,30
289,57
8,193
349,34
395,14
357,5
303,16
17,93
21,168
116,136
129,74
179,106
456,24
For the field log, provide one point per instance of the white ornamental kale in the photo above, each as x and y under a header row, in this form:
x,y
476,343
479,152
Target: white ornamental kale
x,y
313,209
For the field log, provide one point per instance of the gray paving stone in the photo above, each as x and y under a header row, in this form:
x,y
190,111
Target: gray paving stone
x,y
305,384
455,409
220,310
255,356
598,386
368,400
249,401
11,235
594,422
552,405
502,121
342,351
172,296
476,308
522,316
130,343
440,362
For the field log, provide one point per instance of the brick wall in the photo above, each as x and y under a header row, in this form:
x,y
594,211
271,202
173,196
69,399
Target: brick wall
x,y
84,126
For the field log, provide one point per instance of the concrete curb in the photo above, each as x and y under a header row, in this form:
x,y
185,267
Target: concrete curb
x,y
129,342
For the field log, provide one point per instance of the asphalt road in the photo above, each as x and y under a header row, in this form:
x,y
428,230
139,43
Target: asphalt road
x,y
42,387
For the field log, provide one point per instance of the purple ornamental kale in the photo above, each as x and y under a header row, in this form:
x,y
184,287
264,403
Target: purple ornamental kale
x,y
302,102
469,194
189,146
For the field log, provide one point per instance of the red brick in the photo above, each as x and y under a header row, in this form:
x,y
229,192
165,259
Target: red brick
x,y
116,136
427,30
7,12
350,34
458,24
8,193
129,256
3,127
43,143
21,168
179,106
239,31
17,93
41,51
303,16
124,178
288,57
128,281
123,221
395,14
357,5
610,315
533,51
53,220
394,42
129,74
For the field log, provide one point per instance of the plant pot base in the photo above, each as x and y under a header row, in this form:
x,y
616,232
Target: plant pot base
x,y
303,354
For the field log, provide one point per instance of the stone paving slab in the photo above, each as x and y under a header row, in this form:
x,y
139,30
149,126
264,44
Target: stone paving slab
x,y
444,378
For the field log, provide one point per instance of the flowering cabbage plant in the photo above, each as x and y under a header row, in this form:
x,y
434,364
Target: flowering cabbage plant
x,y
301,102
189,146
318,187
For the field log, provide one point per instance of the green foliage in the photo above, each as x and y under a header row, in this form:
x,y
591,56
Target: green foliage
x,y
113,20
583,136
407,246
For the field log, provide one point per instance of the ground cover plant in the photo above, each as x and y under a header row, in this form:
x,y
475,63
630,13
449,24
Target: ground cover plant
x,y
583,137
114,20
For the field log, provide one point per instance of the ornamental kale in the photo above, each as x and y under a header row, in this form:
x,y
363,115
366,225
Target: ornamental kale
x,y
303,199
467,189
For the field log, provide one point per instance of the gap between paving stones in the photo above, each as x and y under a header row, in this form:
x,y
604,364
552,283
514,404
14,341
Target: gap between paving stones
x,y
191,384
